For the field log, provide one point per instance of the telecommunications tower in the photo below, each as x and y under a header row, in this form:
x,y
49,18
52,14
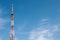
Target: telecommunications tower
x,y
12,34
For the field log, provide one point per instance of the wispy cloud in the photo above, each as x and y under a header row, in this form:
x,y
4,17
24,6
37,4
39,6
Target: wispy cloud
x,y
0,38
43,22
45,34
3,22
55,28
41,33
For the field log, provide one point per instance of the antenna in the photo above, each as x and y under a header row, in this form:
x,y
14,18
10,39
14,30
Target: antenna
x,y
12,9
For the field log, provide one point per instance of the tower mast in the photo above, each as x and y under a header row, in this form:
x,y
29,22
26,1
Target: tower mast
x,y
12,34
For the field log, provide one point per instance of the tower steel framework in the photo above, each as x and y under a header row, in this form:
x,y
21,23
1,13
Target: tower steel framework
x,y
12,33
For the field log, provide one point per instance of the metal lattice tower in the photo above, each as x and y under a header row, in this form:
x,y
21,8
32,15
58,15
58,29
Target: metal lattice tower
x,y
12,34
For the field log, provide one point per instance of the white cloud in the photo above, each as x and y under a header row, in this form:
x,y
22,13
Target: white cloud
x,y
41,35
55,28
43,22
2,23
0,38
42,32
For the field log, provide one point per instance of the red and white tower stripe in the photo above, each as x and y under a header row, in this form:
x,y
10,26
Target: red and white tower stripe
x,y
12,34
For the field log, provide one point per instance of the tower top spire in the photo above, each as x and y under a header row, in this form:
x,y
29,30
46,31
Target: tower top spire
x,y
12,8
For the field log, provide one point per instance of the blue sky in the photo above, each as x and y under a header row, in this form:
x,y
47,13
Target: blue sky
x,y
34,19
